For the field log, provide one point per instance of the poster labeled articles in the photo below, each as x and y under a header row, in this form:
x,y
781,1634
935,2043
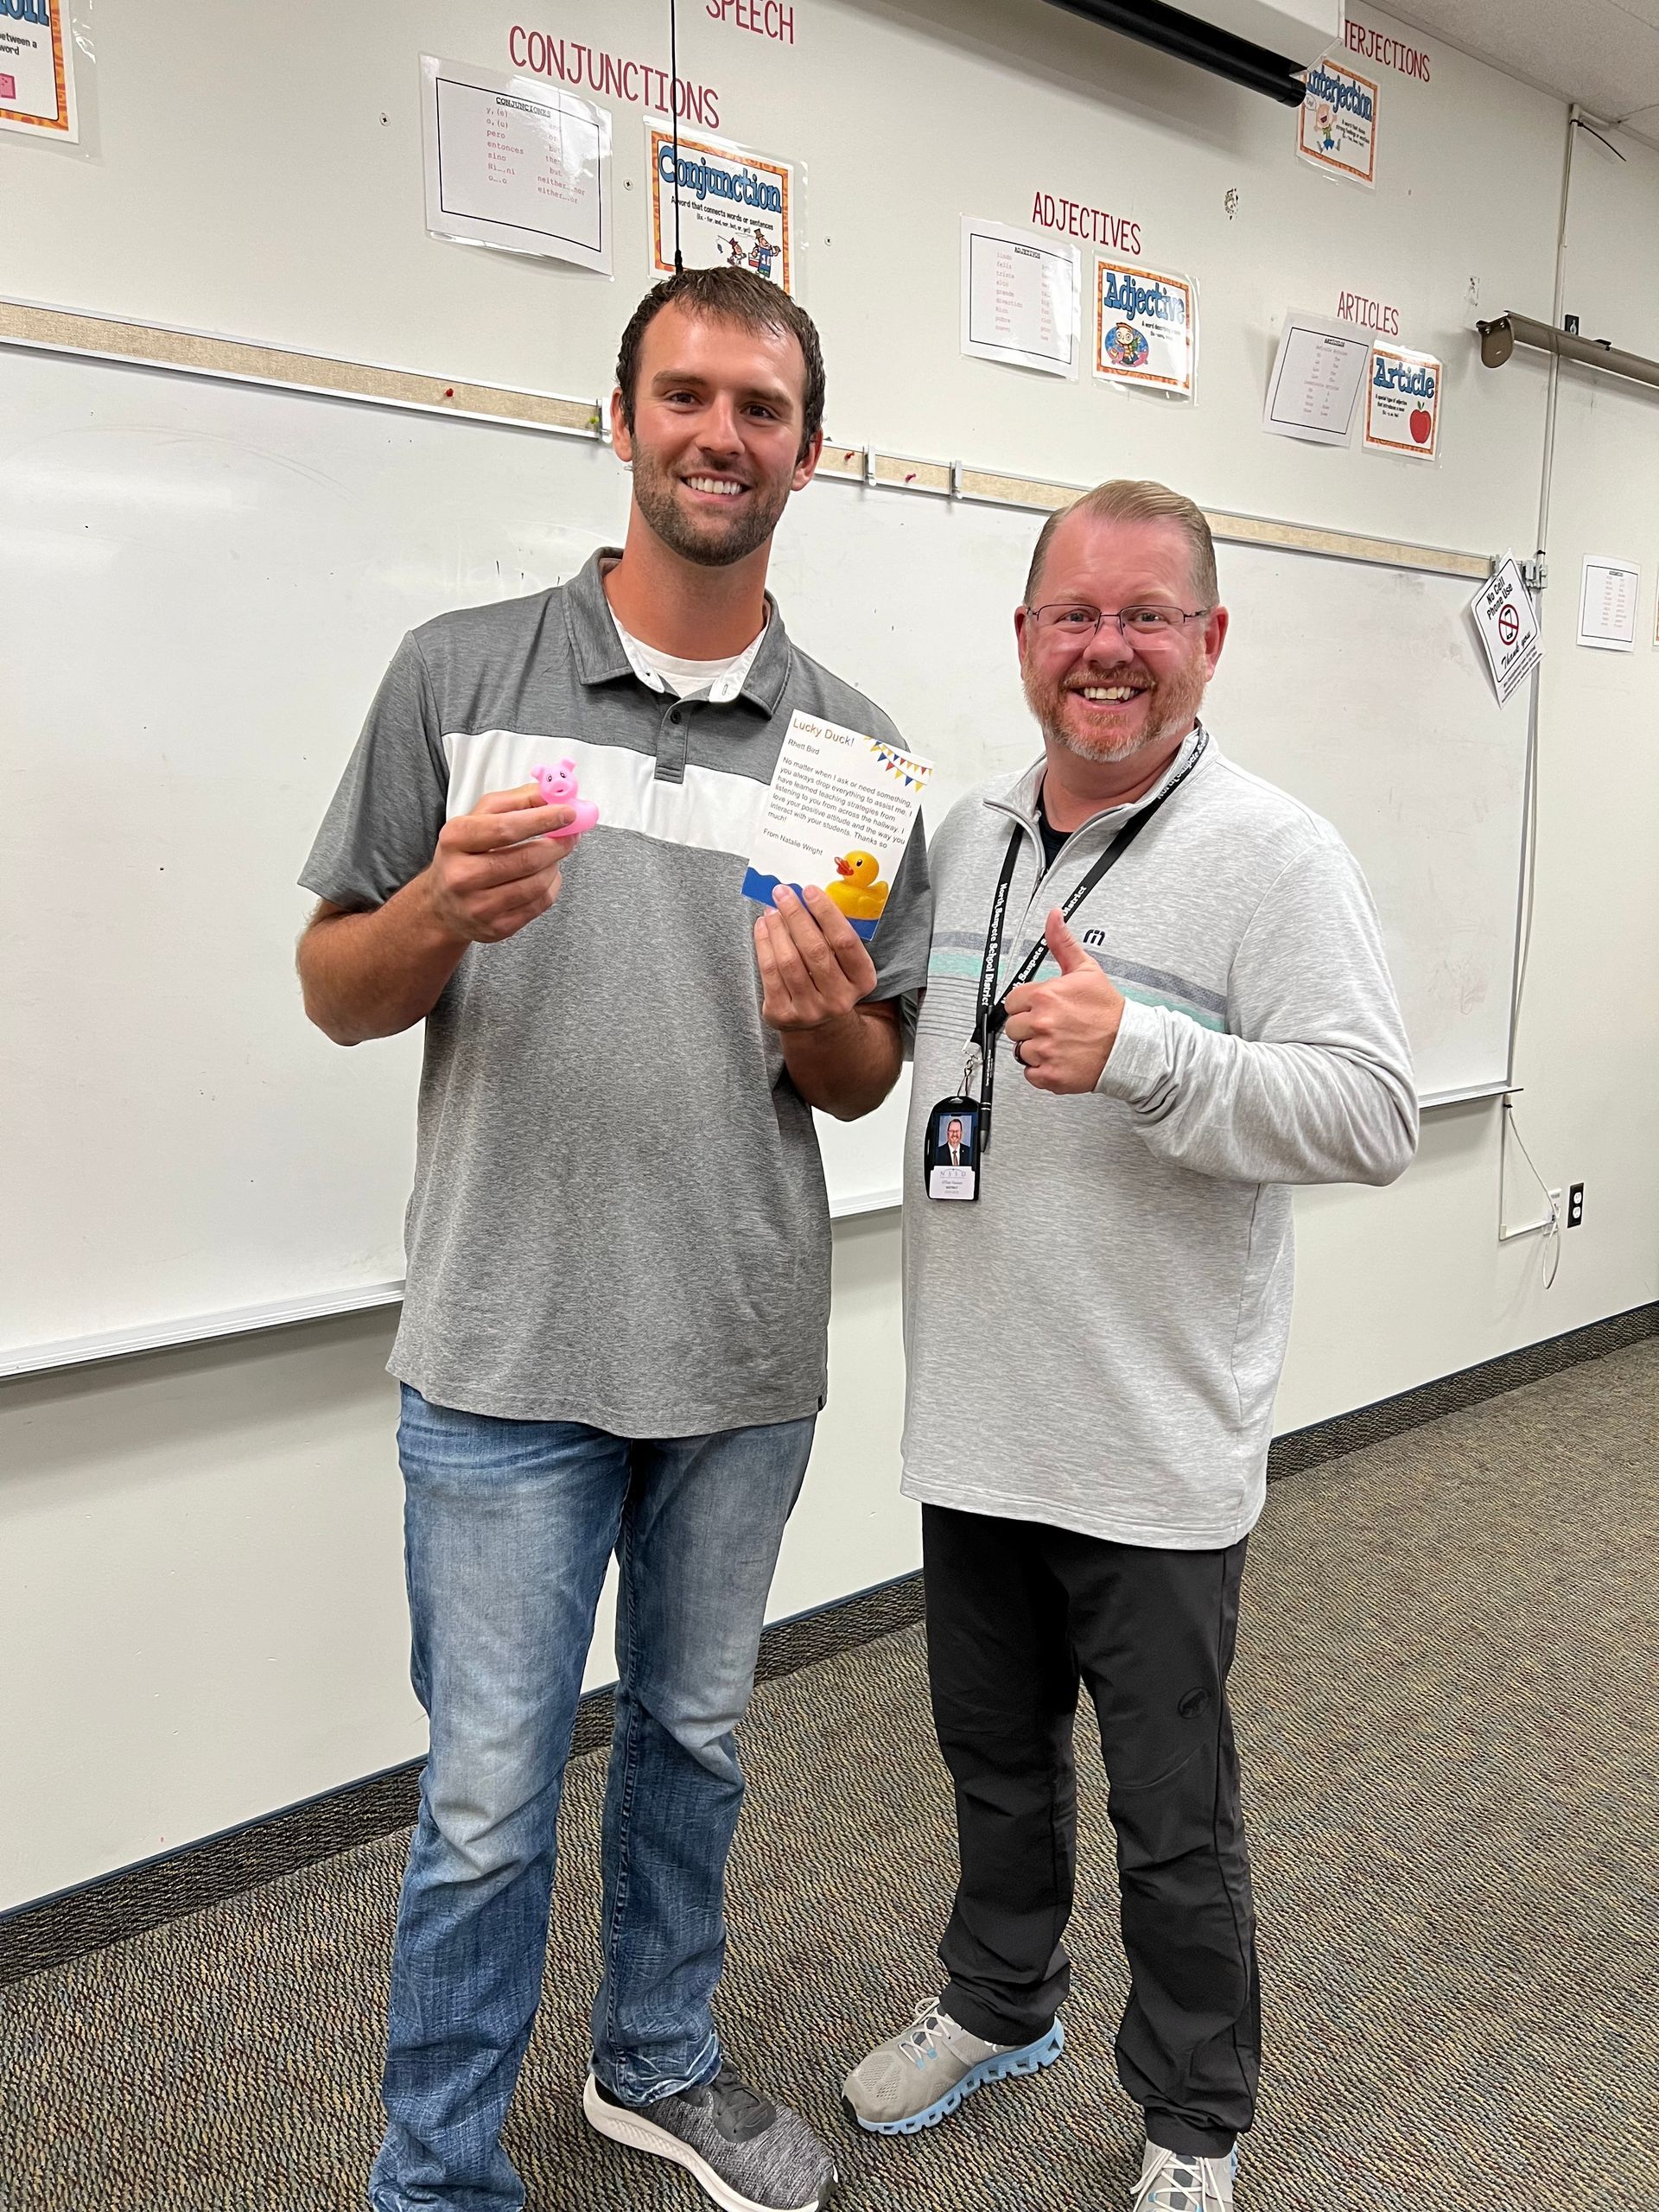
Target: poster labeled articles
x,y
738,209
1146,327
37,70
1021,299
1337,123
513,161
1403,403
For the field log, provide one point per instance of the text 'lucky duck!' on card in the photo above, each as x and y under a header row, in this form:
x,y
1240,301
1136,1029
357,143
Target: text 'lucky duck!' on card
x,y
839,814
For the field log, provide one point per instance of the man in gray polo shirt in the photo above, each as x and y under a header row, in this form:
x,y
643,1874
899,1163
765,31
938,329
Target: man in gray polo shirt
x,y
1184,1009
609,1343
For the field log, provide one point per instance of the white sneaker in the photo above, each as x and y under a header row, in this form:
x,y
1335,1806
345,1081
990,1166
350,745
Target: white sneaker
x,y
1170,2182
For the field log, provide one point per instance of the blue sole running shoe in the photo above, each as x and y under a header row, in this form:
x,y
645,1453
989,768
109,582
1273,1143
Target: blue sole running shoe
x,y
921,2075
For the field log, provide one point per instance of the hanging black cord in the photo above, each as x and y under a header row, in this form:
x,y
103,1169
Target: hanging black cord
x,y
673,95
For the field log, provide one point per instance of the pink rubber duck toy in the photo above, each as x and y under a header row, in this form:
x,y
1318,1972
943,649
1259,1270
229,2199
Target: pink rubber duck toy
x,y
559,789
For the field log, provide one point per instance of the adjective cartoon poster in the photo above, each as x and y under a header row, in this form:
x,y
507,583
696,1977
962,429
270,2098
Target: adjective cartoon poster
x,y
1403,403
737,209
37,69
1146,327
1337,123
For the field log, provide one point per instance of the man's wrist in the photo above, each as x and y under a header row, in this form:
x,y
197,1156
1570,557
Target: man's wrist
x,y
427,914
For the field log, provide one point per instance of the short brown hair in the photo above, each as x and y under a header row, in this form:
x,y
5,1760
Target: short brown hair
x,y
733,295
1130,499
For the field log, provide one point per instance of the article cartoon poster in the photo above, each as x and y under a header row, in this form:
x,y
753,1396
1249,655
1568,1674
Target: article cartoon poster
x,y
737,209
1403,403
1146,327
1337,123
37,69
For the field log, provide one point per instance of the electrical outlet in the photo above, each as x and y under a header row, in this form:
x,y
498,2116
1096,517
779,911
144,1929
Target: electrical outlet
x,y
1575,1206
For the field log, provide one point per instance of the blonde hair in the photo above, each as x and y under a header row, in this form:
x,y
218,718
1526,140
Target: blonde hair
x,y
1130,499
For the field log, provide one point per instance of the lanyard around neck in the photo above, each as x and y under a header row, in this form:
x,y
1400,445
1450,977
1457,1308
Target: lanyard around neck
x,y
991,1008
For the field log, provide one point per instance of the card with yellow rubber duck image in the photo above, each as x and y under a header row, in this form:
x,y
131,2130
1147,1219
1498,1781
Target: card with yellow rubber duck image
x,y
839,814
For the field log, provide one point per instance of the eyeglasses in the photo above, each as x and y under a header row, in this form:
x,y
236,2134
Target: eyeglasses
x,y
1066,619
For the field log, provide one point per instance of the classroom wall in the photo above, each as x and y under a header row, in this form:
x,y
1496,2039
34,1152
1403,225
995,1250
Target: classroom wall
x,y
201,1592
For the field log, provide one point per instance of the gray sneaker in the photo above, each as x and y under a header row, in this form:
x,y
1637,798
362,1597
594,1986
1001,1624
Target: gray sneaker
x,y
919,2076
746,2153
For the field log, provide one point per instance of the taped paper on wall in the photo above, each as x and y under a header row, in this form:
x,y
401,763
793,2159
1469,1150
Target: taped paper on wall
x,y
1506,622
1607,603
513,163
839,814
37,70
738,209
1146,327
1314,392
1020,298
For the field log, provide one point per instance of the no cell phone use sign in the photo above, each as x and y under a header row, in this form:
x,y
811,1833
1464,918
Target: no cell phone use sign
x,y
1507,625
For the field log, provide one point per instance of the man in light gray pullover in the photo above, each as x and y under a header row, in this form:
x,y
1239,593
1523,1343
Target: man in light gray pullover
x,y
1168,1045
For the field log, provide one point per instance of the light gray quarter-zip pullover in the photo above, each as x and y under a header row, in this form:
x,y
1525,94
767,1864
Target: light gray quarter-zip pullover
x,y
1097,1342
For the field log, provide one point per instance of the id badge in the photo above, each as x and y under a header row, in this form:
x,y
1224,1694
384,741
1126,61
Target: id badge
x,y
950,1150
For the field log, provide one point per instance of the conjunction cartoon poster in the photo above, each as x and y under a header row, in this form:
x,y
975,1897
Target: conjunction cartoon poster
x,y
1337,123
737,209
1146,327
37,69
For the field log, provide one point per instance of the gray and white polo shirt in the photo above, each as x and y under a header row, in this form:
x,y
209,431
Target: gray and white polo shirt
x,y
618,1214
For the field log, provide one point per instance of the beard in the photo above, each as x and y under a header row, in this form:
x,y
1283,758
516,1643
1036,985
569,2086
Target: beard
x,y
711,542
1172,709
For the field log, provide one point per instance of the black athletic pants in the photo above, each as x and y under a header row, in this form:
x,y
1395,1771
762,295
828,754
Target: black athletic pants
x,y
1017,1613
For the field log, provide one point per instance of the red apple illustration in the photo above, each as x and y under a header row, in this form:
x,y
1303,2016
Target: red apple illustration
x,y
1422,425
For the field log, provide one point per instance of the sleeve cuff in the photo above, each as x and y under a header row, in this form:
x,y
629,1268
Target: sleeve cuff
x,y
1139,1059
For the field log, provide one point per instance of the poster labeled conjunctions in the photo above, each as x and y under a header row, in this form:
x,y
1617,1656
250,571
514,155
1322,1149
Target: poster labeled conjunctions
x,y
37,70
1146,327
512,162
737,209
1337,123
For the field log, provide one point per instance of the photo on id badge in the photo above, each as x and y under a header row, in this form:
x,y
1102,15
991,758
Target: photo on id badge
x,y
952,1161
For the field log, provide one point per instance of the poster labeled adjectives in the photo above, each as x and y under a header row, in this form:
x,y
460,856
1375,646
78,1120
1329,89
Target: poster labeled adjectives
x,y
1337,123
737,209
37,69
513,163
1314,392
1019,299
1403,403
1146,327
1507,623
1607,604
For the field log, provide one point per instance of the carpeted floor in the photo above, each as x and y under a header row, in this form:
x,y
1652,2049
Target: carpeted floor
x,y
1447,1700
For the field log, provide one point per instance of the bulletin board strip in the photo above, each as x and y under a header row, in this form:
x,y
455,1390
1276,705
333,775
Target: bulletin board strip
x,y
58,330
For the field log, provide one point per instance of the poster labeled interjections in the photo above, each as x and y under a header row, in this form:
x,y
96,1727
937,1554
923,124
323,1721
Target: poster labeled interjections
x,y
1337,123
1146,327
734,208
37,70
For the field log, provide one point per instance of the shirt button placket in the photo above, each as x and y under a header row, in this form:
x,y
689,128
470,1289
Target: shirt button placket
x,y
671,745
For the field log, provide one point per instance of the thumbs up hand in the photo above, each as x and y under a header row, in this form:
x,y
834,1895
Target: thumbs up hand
x,y
1063,1032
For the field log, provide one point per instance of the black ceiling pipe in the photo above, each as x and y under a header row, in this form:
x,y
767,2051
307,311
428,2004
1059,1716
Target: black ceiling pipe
x,y
1172,31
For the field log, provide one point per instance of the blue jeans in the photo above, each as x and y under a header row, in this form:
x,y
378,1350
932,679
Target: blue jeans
x,y
508,1527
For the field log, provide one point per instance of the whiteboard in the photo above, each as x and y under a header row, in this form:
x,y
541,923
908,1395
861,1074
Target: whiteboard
x,y
202,584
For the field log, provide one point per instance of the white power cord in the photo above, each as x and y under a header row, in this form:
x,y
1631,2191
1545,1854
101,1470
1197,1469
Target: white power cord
x,y
1550,1227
